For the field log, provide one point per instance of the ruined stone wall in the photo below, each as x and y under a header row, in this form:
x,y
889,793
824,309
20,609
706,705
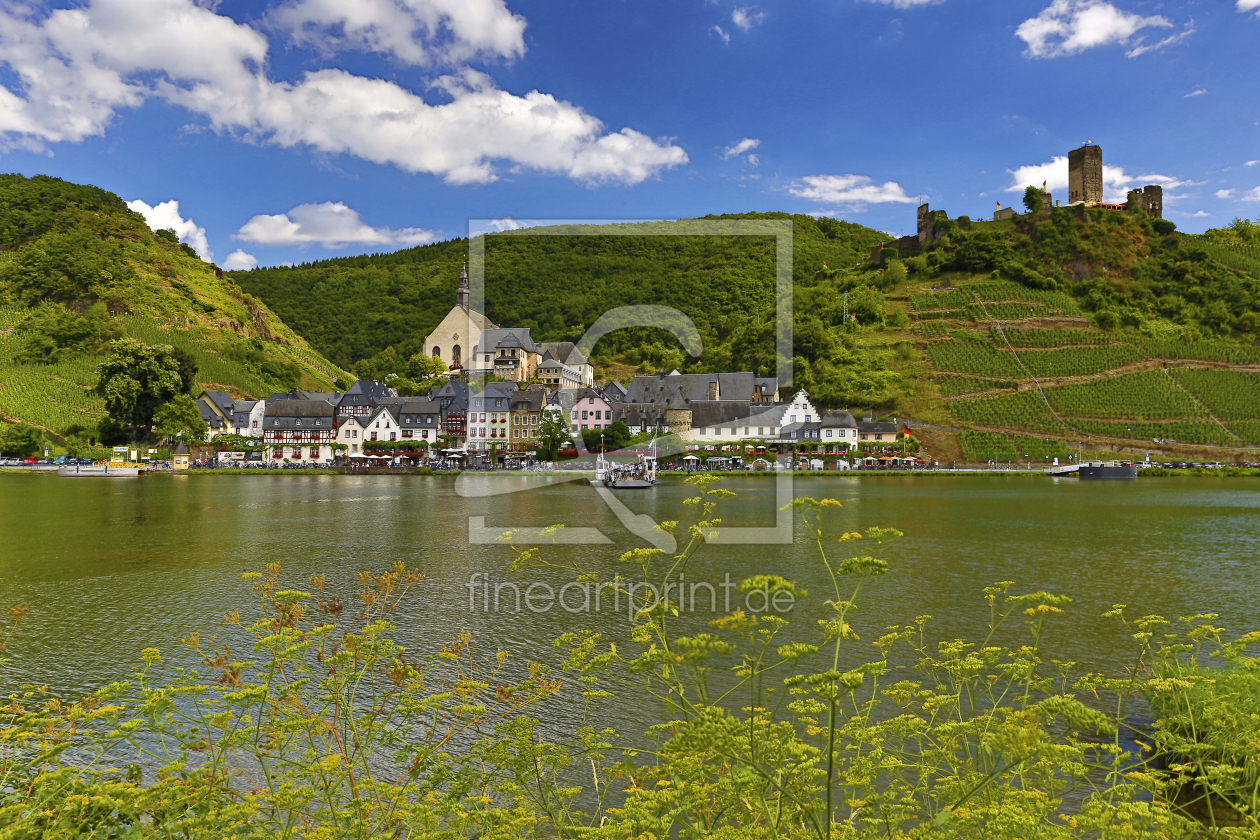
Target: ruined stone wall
x,y
1153,201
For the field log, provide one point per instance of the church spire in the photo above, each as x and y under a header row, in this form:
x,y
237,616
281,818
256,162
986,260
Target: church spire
x,y
461,295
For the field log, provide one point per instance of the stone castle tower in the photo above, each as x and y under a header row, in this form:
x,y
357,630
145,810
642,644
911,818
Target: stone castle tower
x,y
1085,174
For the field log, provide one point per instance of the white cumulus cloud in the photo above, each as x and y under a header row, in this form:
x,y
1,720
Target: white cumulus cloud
x,y
77,67
1250,195
1067,27
747,18
849,189
1252,162
1199,214
721,33
1249,6
238,260
1193,93
1116,182
331,224
1226,194
165,216
422,32
736,149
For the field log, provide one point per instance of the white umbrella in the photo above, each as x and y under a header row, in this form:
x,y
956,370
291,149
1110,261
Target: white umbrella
x,y
690,458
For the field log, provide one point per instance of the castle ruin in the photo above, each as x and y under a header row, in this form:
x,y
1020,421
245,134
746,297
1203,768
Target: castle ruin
x,y
1085,174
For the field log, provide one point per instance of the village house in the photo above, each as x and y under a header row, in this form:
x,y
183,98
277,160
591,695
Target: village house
x,y
565,364
360,399
488,418
590,410
300,430
526,413
453,400
248,417
702,406
510,354
351,432
839,431
878,432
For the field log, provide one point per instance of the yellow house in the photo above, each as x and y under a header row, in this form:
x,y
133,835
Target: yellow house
x,y
180,456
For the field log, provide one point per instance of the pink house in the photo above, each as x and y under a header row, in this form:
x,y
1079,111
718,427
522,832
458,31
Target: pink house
x,y
591,410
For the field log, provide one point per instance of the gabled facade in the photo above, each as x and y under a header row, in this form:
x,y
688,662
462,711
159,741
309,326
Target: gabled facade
x,y
351,431
510,354
526,413
247,418
453,399
488,418
591,410
454,339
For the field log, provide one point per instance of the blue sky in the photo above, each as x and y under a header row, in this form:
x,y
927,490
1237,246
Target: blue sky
x,y
296,130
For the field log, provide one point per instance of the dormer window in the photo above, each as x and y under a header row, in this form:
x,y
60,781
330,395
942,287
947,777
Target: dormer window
x,y
299,423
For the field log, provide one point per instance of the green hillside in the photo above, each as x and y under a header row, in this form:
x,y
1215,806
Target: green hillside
x,y
355,308
1061,325
77,269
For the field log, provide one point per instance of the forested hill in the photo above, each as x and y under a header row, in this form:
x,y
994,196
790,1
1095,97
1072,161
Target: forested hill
x,y
352,309
79,269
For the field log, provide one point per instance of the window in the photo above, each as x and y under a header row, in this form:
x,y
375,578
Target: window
x,y
437,352
314,451
808,419
393,436
793,418
829,433
299,423
455,355
255,425
584,417
406,433
592,401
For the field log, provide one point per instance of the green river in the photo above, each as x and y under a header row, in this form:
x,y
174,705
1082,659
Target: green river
x,y
113,566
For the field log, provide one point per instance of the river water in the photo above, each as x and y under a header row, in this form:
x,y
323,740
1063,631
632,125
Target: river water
x,y
115,566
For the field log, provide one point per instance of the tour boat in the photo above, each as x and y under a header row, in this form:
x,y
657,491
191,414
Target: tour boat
x,y
1108,469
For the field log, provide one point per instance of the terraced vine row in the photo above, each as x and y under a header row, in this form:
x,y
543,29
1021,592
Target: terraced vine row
x,y
1022,410
1148,395
1031,337
995,446
970,353
957,386
55,396
1078,361
1230,395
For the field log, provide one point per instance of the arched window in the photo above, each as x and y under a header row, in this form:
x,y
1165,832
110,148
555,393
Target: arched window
x,y
455,355
437,352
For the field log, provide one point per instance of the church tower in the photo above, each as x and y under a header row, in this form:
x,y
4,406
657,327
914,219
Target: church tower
x,y
461,295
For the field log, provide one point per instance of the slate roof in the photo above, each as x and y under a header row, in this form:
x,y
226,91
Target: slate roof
x,y
615,391
564,351
528,400
801,431
686,387
370,389
868,428
208,414
180,449
838,419
486,400
222,401
492,339
299,408
453,396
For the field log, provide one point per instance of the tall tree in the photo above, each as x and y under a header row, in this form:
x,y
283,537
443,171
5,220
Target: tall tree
x,y
179,416
137,379
553,433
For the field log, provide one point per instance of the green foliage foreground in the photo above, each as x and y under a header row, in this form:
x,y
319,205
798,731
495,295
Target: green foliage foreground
x,y
306,719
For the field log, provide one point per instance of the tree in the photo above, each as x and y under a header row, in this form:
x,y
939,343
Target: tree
x,y
180,415
617,435
20,440
420,366
553,433
1033,199
138,379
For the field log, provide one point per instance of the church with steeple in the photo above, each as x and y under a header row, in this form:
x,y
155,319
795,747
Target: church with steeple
x,y
456,339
